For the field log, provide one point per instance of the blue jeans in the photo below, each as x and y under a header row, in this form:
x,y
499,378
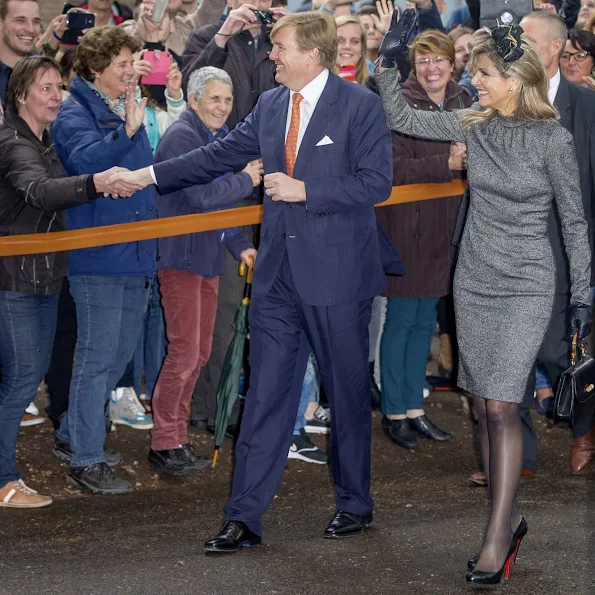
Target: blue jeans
x,y
406,340
150,351
541,378
310,392
110,313
27,329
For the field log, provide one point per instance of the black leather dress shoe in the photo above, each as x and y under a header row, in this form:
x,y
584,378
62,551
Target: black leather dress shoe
x,y
399,432
233,536
422,425
346,524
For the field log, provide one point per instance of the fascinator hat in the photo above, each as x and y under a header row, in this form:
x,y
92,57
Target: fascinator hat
x,y
507,39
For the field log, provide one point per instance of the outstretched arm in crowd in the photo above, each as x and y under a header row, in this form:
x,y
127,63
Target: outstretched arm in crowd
x,y
26,171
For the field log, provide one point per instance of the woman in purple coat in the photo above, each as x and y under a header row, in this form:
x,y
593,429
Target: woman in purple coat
x,y
421,232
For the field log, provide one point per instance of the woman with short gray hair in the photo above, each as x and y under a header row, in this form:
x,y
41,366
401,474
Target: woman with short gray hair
x,y
189,268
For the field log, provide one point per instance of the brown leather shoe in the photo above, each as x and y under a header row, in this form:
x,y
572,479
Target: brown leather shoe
x,y
582,452
16,494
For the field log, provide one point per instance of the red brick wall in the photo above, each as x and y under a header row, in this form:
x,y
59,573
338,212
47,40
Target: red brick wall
x,y
51,8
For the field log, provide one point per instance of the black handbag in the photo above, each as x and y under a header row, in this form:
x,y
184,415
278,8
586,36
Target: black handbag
x,y
575,398
503,12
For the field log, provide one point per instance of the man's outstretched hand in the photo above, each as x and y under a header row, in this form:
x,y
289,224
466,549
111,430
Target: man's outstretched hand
x,y
125,183
394,50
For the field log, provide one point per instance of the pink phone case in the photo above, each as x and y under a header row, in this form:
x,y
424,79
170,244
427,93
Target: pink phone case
x,y
160,61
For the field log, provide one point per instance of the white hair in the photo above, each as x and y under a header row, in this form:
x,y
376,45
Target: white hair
x,y
199,80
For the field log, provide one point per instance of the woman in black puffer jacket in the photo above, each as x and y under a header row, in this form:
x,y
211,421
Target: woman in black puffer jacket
x,y
33,191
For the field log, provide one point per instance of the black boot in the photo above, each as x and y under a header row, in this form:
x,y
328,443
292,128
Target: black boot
x,y
376,394
422,425
399,432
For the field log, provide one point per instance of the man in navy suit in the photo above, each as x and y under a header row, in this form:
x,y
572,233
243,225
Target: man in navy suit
x,y
327,160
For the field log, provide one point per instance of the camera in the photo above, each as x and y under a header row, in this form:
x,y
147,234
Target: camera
x,y
80,20
265,16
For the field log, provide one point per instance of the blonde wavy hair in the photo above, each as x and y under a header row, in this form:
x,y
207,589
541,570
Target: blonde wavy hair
x,y
533,103
361,68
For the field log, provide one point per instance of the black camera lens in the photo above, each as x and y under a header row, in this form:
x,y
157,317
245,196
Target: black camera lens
x,y
264,16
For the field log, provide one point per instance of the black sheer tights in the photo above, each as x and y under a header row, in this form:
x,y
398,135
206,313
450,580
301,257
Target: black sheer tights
x,y
501,443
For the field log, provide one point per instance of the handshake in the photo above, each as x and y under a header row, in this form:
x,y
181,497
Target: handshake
x,y
119,182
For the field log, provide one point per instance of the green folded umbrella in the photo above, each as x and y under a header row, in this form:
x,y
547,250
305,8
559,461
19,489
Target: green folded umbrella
x,y
227,391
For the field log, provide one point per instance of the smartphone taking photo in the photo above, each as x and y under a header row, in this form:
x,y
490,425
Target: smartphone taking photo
x,y
160,62
159,10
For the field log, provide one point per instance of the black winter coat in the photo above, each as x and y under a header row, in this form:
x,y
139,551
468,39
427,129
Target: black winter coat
x,y
33,191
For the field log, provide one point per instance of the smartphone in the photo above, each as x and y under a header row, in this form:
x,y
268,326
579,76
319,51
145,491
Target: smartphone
x,y
160,62
80,20
67,7
159,10
347,72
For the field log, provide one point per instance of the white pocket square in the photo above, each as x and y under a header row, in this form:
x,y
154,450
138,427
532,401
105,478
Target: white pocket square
x,y
325,141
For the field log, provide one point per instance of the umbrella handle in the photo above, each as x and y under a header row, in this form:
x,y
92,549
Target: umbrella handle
x,y
242,269
215,458
248,286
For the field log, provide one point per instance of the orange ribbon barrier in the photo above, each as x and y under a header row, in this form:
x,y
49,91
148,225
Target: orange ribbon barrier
x,y
39,243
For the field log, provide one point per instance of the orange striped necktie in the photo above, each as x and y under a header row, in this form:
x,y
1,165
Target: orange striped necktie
x,y
292,135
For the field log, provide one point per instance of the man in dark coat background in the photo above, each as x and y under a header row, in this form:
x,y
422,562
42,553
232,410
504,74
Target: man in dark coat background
x,y
577,114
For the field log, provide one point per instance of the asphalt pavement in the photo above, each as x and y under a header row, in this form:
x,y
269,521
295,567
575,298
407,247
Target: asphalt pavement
x,y
428,521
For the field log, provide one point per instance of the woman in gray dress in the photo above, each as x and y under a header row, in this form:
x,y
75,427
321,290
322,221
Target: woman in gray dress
x,y
519,160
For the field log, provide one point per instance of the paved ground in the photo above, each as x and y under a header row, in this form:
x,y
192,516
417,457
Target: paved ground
x,y
428,521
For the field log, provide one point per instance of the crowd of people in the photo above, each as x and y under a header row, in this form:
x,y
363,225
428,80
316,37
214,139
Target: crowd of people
x,y
136,333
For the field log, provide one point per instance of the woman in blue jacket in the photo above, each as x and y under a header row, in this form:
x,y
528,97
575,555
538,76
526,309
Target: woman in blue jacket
x,y
99,126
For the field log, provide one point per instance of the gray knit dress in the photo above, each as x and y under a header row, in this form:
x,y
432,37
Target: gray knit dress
x,y
504,282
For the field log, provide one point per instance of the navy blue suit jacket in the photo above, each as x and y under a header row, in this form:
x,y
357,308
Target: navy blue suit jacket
x,y
332,239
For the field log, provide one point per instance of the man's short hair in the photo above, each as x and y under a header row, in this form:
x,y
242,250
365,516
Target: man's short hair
x,y
313,30
4,6
554,24
199,80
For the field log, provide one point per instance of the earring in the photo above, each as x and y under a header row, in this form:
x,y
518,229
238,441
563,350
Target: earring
x,y
510,90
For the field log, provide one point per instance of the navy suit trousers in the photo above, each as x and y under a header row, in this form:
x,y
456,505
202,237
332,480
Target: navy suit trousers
x,y
283,329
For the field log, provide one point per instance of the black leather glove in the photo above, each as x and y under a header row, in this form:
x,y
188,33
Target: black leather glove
x,y
580,320
394,50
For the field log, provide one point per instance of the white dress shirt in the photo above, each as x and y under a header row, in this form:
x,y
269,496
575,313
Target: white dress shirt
x,y
311,94
553,85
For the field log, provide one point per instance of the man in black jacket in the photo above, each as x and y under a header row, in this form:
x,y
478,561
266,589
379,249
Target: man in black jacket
x,y
577,114
240,45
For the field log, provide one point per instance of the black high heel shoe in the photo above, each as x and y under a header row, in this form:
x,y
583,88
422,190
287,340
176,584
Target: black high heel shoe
x,y
517,536
479,577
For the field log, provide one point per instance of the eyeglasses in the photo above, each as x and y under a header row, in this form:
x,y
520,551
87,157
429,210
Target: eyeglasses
x,y
578,56
427,61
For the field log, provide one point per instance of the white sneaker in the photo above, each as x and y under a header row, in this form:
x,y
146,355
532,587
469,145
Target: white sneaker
x,y
125,409
32,409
